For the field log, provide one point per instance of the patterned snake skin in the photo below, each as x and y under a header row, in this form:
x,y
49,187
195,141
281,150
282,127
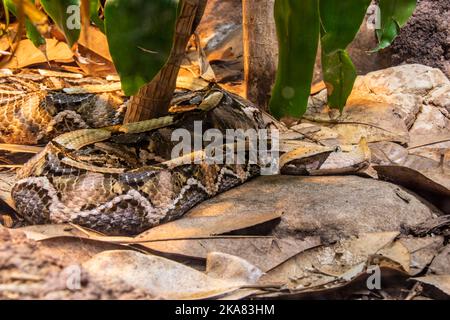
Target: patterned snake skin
x,y
119,179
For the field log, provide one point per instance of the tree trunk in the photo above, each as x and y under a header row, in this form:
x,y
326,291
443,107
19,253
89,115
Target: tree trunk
x,y
260,50
153,99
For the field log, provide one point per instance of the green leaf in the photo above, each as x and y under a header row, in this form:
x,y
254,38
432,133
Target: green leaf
x,y
94,6
34,35
340,22
6,10
298,27
340,75
140,35
32,32
394,15
66,15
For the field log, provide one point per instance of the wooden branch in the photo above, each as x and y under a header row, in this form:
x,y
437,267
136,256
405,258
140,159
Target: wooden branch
x,y
153,99
260,50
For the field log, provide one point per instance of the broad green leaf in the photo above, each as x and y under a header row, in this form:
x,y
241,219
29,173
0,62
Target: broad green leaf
x,y
340,75
298,27
34,35
32,32
340,22
140,35
66,15
94,6
394,15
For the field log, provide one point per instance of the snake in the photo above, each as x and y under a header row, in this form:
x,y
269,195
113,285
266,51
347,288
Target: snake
x,y
121,179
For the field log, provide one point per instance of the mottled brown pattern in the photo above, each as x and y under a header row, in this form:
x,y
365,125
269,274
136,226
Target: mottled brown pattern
x,y
122,183
34,107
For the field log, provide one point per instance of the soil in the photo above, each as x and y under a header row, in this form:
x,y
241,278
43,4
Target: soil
x,y
426,37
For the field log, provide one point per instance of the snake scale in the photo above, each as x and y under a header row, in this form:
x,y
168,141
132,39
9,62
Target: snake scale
x,y
121,179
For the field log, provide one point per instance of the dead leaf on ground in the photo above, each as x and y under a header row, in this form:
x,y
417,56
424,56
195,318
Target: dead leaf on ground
x,y
51,231
441,263
399,253
27,54
157,276
440,282
205,226
264,252
420,180
361,286
323,265
231,268
362,118
95,41
423,251
72,250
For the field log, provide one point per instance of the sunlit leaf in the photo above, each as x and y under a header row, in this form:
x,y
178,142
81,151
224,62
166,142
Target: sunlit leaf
x,y
32,32
298,37
394,15
336,34
66,15
140,34
339,73
29,9
34,35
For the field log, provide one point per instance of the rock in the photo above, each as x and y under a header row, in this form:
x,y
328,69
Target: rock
x,y
329,207
403,112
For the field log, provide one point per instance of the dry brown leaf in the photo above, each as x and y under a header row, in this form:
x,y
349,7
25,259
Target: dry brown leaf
x,y
157,276
27,54
398,253
51,231
206,226
231,268
362,118
95,41
416,180
76,250
423,251
323,265
441,282
441,262
264,252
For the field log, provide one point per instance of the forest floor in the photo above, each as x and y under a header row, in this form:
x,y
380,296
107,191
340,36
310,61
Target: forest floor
x,y
383,234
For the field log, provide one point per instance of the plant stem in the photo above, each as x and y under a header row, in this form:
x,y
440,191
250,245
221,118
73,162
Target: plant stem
x,y
260,50
153,99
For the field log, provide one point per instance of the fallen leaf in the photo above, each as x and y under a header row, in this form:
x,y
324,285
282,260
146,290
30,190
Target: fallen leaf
x,y
326,264
51,231
398,253
189,227
27,54
441,262
441,282
423,251
264,252
231,268
157,276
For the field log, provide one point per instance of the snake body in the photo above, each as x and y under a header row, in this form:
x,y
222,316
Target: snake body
x,y
122,179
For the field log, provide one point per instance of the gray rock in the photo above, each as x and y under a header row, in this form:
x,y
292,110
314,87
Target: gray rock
x,y
330,207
